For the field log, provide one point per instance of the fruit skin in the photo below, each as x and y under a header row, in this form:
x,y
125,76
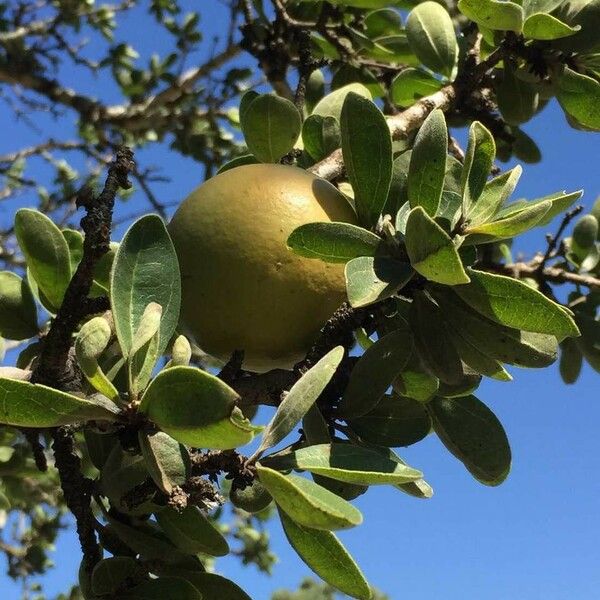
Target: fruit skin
x,y
242,287
252,499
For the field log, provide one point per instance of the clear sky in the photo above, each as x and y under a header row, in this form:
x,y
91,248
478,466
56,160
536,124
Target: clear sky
x,y
535,536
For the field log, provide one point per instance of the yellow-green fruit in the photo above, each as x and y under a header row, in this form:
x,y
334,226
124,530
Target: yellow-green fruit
x,y
252,499
242,287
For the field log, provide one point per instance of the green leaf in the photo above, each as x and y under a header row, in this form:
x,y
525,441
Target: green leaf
x,y
214,587
375,372
517,99
493,14
300,398
589,342
18,312
432,341
515,304
541,26
479,159
571,360
431,35
511,226
427,168
351,464
508,345
91,341
321,136
367,151
46,252
181,353
579,96
307,503
414,382
161,588
418,489
167,461
111,574
411,85
471,431
333,242
271,126
238,161
495,193
144,351
331,105
431,250
192,532
145,258
540,6
99,446
395,421
370,279
25,404
327,557
560,202
195,408
146,540
121,473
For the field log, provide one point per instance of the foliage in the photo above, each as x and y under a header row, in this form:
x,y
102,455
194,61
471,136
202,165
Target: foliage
x,y
142,432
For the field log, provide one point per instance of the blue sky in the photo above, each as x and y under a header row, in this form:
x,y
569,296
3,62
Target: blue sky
x,y
534,537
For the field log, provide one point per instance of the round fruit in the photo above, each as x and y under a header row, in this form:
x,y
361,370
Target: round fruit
x,y
242,287
252,499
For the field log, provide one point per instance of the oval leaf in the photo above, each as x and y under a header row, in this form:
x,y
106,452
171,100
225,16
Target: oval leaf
x,y
327,557
163,587
46,251
427,169
431,250
367,151
431,36
271,126
333,242
145,270
473,433
515,304
192,532
375,372
18,313
25,404
307,503
493,14
167,461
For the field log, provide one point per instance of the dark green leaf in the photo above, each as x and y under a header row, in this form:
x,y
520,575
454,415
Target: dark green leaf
x,y
111,574
517,99
333,242
367,151
471,431
479,159
214,587
331,105
163,587
427,168
395,421
18,313
375,372
327,557
192,532
571,360
167,461
239,161
321,136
